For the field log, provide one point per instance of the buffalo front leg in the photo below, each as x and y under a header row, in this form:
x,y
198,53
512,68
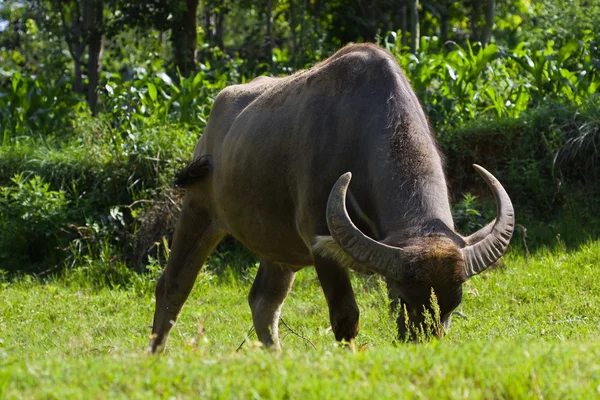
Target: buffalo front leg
x,y
343,311
195,237
270,288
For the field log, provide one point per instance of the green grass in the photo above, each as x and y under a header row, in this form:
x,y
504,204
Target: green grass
x,y
530,331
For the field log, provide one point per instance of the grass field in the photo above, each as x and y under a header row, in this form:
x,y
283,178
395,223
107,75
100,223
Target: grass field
x,y
529,330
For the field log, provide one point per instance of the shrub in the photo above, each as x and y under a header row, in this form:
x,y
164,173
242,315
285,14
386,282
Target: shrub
x,y
552,184
459,84
468,215
31,218
30,107
114,170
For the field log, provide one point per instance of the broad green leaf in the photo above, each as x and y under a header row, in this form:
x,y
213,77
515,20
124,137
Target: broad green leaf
x,y
565,73
197,79
568,49
490,51
152,91
15,81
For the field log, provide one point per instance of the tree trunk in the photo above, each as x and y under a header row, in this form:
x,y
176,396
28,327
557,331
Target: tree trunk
x,y
489,22
317,9
183,38
302,32
78,78
475,36
403,22
96,20
413,6
444,23
207,23
74,22
293,24
269,33
219,23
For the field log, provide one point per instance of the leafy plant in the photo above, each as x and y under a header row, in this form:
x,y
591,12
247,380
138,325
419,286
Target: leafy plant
x,y
187,101
580,154
30,107
467,215
458,83
31,218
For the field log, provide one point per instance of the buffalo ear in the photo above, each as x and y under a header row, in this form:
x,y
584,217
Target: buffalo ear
x,y
193,172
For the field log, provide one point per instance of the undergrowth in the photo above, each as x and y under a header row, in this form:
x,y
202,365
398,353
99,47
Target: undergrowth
x,y
113,171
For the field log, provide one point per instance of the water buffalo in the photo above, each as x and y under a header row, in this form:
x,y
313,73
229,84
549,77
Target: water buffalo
x,y
335,167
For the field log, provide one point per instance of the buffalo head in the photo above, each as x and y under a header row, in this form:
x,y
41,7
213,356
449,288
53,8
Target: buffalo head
x,y
415,266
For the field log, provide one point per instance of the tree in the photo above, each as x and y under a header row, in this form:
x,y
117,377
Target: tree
x,y
269,33
183,36
359,19
489,22
441,11
95,41
481,28
413,7
214,12
83,25
403,20
176,16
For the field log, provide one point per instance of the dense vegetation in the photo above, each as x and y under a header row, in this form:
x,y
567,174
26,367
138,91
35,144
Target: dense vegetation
x,y
86,169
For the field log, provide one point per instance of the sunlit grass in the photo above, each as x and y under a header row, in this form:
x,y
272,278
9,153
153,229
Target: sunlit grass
x,y
529,330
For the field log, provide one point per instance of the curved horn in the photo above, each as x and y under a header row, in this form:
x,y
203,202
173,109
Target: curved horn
x,y
479,256
378,257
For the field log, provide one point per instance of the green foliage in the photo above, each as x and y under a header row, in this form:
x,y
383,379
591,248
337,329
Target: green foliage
x,y
31,218
523,152
30,107
101,172
462,84
562,20
467,215
524,106
158,97
580,154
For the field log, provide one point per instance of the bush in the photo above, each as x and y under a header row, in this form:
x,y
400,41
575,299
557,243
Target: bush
x,y
460,84
31,219
526,114
552,193
101,172
468,215
30,107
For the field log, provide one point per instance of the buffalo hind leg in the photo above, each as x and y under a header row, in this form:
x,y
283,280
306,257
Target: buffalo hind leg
x,y
270,288
195,237
343,311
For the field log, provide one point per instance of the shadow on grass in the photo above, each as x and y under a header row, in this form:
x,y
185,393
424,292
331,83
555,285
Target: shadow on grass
x,y
568,233
231,261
